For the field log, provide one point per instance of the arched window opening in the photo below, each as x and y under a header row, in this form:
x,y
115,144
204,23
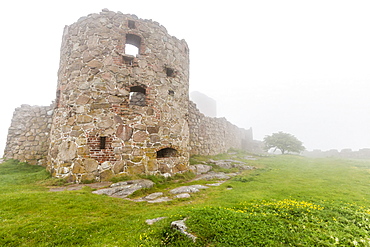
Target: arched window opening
x,y
131,50
167,153
137,96
132,45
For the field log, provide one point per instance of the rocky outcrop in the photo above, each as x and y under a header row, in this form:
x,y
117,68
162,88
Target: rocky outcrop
x,y
188,189
200,168
228,164
180,226
124,189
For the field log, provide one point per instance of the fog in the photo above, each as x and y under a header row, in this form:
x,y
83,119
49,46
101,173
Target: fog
x,y
300,67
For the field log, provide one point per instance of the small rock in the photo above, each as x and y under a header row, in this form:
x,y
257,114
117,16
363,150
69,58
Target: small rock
x,y
183,195
234,161
152,221
153,196
250,158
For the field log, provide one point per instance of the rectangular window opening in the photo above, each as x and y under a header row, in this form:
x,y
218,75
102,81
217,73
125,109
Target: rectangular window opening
x,y
103,140
170,72
131,24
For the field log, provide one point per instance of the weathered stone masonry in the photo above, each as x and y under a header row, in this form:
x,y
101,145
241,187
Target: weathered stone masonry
x,y
28,136
117,113
210,136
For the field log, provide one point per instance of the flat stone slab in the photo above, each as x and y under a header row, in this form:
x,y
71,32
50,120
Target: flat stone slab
x,y
200,168
188,189
161,199
229,163
145,183
153,196
124,189
182,195
80,186
250,158
215,175
216,184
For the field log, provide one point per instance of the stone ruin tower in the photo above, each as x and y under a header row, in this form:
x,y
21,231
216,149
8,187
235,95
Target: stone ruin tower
x,y
122,100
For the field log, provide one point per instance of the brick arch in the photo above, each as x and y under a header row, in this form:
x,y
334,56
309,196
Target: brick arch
x,y
167,152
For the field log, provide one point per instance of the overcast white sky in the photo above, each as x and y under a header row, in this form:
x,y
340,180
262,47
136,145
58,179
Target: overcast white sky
x,y
301,67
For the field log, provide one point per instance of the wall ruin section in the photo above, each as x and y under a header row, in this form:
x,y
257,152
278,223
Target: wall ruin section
x,y
28,135
211,136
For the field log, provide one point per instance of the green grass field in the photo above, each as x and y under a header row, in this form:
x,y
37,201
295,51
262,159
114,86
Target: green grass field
x,y
287,201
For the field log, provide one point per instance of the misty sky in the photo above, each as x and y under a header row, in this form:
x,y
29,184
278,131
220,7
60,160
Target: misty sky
x,y
301,67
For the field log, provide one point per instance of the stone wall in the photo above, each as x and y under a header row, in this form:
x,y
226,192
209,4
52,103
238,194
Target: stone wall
x,y
28,136
210,136
344,153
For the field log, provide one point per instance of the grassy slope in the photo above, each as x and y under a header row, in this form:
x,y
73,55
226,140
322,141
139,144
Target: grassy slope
x,y
310,179
32,216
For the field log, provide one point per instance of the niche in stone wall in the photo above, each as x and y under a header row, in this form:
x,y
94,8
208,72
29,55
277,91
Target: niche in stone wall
x,y
131,24
137,96
170,72
57,100
103,141
100,148
167,153
132,45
